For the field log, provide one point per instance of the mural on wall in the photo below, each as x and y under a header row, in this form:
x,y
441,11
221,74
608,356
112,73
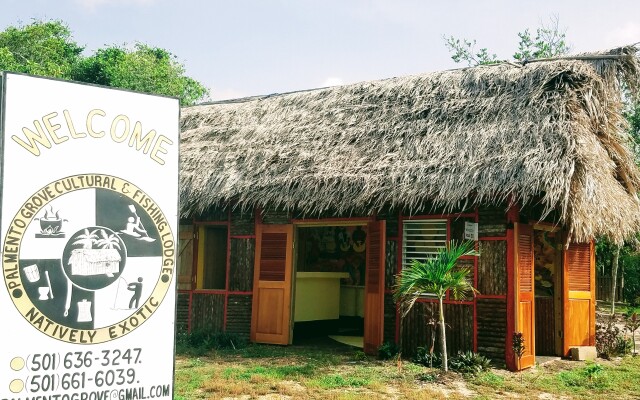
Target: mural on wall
x,y
545,247
334,249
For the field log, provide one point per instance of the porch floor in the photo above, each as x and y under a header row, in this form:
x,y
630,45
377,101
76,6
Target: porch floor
x,y
542,360
355,341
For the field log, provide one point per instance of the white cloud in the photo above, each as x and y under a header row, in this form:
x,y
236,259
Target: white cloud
x,y
92,5
332,81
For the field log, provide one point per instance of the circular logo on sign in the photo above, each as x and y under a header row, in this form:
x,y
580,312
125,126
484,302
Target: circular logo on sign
x,y
88,258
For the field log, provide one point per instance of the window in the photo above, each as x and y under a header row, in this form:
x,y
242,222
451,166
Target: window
x,y
213,242
422,239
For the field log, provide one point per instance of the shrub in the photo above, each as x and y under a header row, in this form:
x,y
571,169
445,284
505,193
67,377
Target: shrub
x,y
632,323
200,341
610,342
469,362
388,350
427,358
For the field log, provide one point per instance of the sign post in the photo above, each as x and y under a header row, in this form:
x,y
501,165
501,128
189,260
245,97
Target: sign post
x,y
89,213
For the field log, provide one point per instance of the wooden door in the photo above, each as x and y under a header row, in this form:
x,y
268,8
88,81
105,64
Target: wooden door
x,y
525,302
186,272
579,296
271,311
374,287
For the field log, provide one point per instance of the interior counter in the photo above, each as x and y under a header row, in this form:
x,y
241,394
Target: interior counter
x,y
317,295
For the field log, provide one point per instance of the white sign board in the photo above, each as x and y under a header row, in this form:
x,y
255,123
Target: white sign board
x,y
88,230
470,230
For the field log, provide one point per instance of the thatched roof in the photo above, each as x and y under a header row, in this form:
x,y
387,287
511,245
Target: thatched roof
x,y
549,130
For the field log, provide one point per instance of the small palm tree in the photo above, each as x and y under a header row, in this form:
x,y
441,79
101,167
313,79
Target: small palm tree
x,y
87,239
436,276
108,241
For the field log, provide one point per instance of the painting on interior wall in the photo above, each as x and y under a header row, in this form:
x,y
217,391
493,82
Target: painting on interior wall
x,y
545,261
335,249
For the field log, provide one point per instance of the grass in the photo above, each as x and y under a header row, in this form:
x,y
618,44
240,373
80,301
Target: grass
x,y
342,373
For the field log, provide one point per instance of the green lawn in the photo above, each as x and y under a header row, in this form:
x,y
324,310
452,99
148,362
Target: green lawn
x,y
273,372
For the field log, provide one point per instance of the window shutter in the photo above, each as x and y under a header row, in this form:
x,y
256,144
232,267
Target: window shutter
x,y
273,256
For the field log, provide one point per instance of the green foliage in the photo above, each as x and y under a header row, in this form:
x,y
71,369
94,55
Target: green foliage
x,y
436,275
428,377
592,375
549,41
518,345
490,379
271,371
39,48
465,50
338,381
632,114
469,362
200,342
47,48
360,355
630,264
424,356
143,69
632,323
388,350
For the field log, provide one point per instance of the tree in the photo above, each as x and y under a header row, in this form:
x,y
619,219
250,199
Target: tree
x,y
39,48
47,48
144,69
550,41
437,275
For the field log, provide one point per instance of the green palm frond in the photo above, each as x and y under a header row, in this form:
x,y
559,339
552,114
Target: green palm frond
x,y
435,275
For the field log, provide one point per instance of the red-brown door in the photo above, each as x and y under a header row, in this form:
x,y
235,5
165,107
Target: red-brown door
x,y
271,311
579,296
374,287
525,302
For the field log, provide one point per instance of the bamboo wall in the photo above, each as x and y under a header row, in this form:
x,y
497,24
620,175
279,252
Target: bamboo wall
x,y
239,315
241,264
207,312
420,324
492,327
492,268
486,334
182,312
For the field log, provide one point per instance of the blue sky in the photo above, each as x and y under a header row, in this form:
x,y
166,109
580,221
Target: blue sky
x,y
249,47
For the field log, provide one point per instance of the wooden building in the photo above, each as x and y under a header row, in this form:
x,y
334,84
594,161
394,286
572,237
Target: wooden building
x,y
298,209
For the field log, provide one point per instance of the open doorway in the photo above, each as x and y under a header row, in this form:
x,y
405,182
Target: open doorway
x,y
547,250
329,283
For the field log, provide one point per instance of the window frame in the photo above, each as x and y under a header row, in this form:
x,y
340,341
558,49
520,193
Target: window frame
x,y
404,260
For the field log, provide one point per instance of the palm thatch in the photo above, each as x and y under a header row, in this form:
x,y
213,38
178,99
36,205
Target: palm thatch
x,y
549,131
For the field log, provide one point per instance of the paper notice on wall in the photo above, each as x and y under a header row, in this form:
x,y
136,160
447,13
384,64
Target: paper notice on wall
x,y
470,231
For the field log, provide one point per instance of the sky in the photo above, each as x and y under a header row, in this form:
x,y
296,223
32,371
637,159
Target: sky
x,y
241,48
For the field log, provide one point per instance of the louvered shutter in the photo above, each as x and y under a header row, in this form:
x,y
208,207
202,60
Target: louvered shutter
x,y
579,296
524,275
271,311
374,287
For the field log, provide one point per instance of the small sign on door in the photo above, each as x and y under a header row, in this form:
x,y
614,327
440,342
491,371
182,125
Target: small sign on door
x,y
470,231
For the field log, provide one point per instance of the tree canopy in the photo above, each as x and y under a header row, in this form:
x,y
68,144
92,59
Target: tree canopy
x,y
549,41
47,48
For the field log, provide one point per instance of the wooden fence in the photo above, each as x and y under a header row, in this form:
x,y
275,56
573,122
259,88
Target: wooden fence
x,y
603,288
